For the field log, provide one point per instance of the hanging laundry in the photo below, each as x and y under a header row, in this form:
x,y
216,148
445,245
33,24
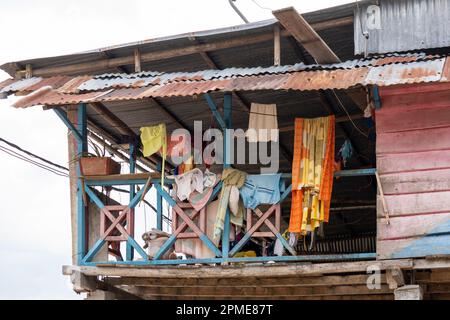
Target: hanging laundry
x,y
199,199
262,189
230,178
193,180
346,151
263,123
312,173
153,140
187,182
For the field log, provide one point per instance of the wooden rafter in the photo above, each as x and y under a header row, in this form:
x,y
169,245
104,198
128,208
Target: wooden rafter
x,y
117,123
302,31
114,62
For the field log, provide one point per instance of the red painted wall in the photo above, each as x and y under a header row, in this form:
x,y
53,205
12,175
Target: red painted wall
x,y
413,160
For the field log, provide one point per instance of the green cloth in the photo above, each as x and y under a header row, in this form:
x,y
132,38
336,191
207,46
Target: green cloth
x,y
231,178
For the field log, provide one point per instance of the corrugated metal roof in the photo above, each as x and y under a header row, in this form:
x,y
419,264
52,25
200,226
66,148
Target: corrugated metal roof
x,y
181,84
144,79
20,85
339,38
405,25
429,71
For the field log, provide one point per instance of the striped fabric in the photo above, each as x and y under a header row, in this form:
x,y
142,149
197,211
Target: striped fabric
x,y
312,173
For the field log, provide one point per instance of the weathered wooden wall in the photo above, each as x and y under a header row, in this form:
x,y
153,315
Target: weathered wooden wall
x,y
413,159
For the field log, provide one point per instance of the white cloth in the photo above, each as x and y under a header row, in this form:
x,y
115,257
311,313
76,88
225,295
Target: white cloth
x,y
188,182
278,248
193,180
263,123
209,179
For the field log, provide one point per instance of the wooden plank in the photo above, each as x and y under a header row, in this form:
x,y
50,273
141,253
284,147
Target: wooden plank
x,y
394,278
389,296
413,247
127,176
403,162
243,282
414,141
276,45
416,88
417,203
137,60
415,182
72,115
233,271
412,226
413,119
105,64
300,29
433,264
262,292
411,101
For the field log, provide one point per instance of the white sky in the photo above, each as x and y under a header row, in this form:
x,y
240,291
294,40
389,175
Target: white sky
x,y
34,204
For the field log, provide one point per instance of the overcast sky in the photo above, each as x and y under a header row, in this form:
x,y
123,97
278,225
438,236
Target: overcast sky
x,y
34,204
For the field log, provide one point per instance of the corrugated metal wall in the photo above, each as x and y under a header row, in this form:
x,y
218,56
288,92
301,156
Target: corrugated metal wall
x,y
405,25
413,159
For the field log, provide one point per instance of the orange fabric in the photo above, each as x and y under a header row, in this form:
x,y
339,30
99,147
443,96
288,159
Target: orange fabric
x,y
326,183
297,194
302,204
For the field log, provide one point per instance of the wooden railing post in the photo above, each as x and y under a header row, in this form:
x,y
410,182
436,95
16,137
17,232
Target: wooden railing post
x,y
227,152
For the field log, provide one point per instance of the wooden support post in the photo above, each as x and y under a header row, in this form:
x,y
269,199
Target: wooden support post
x,y
410,292
394,277
28,71
276,45
137,60
227,152
132,155
159,206
80,222
72,155
81,206
82,283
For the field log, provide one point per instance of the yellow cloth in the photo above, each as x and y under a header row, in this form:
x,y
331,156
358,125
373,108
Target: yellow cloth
x,y
231,178
312,173
245,254
154,139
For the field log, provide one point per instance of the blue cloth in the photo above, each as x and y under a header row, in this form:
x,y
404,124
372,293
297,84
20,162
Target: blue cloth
x,y
262,189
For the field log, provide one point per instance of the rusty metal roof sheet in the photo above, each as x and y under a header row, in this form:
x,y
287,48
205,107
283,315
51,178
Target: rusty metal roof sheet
x,y
426,71
433,69
144,79
20,85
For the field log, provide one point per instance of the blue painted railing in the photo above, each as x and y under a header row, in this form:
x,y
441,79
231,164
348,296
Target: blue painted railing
x,y
225,255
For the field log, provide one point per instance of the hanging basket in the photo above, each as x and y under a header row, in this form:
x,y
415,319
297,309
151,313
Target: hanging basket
x,y
98,166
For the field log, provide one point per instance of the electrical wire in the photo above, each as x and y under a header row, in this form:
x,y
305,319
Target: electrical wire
x,y
40,165
262,7
348,115
15,146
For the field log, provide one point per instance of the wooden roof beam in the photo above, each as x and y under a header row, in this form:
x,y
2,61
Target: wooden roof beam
x,y
305,34
117,123
308,38
110,63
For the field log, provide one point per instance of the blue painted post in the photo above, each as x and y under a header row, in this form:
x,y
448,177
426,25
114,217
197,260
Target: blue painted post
x,y
159,206
376,97
132,154
227,152
82,147
215,111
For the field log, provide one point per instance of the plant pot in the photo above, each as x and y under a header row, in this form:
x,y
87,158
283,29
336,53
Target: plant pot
x,y
98,166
